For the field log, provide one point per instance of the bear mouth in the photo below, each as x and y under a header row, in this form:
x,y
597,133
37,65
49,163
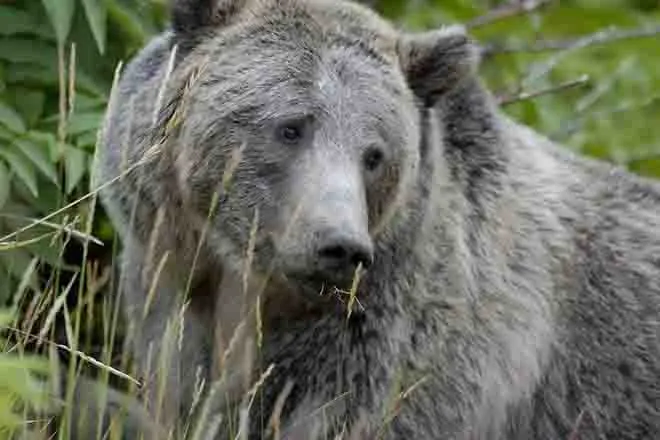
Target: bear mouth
x,y
323,286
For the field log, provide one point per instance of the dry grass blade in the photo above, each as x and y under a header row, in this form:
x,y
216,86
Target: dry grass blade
x,y
400,398
62,114
72,79
26,278
68,228
231,166
606,36
566,47
259,322
275,418
352,293
20,244
80,354
250,395
321,408
508,10
154,283
576,427
249,255
55,308
205,229
101,132
149,155
579,82
163,85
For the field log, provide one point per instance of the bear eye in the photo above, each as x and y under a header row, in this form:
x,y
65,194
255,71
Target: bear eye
x,y
373,157
291,132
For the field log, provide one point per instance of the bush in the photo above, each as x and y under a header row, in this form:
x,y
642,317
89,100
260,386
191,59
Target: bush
x,y
20,389
57,59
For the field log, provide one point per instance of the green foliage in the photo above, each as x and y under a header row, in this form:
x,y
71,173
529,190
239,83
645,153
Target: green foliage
x,y
97,14
60,13
613,115
57,59
20,386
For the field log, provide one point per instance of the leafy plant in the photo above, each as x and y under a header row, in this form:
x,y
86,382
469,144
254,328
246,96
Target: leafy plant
x,y
20,388
57,59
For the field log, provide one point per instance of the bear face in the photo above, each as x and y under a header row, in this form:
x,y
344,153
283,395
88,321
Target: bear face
x,y
324,140
320,128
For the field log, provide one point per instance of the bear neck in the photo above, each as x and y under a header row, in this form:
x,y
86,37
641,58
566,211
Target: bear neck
x,y
461,181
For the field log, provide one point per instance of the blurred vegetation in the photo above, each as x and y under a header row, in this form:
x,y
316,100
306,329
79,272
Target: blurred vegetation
x,y
22,387
594,82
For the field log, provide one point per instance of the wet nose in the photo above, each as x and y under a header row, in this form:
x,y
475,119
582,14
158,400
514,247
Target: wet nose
x,y
343,254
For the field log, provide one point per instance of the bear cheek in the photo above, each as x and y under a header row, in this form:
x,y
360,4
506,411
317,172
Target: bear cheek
x,y
381,195
183,166
198,179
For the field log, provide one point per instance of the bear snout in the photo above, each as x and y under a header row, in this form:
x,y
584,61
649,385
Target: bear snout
x,y
340,253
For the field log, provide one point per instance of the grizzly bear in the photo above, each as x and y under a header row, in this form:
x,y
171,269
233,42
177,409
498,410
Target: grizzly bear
x,y
332,221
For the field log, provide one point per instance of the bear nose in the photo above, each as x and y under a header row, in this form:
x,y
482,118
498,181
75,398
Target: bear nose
x,y
341,254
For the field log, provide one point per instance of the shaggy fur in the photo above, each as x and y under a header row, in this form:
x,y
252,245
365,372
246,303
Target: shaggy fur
x,y
515,287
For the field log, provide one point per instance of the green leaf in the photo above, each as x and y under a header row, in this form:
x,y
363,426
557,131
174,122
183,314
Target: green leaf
x,y
32,74
6,136
80,123
17,379
14,21
23,169
11,119
75,167
87,140
47,139
28,74
16,261
60,13
391,8
3,86
86,102
123,18
649,167
47,250
8,418
97,15
29,103
4,184
39,154
6,288
6,317
26,50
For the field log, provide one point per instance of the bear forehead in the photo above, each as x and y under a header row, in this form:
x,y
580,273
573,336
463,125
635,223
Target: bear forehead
x,y
284,78
324,22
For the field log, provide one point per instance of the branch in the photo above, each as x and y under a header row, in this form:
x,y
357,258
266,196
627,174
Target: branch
x,y
570,46
512,9
642,157
605,36
576,123
584,79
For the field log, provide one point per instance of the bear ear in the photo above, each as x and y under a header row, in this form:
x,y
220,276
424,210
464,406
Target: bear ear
x,y
192,16
436,61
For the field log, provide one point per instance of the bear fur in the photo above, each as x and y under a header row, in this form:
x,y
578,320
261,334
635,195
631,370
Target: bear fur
x,y
512,288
